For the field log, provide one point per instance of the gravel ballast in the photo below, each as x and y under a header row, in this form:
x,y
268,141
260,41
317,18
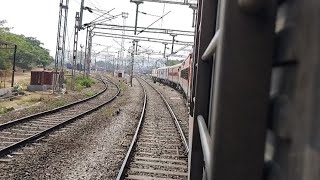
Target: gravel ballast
x,y
47,104
177,103
91,148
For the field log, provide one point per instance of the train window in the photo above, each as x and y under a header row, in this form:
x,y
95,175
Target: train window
x,y
185,73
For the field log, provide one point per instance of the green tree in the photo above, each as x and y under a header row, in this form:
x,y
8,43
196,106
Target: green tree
x,y
29,52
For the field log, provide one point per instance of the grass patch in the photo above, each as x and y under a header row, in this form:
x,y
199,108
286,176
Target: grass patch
x,y
123,86
85,81
108,112
80,82
90,93
57,103
4,109
78,88
31,99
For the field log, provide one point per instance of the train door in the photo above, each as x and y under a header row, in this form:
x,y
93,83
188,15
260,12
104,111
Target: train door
x,y
232,66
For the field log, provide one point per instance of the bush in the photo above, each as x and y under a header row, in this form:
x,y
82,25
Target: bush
x,y
85,81
4,110
17,88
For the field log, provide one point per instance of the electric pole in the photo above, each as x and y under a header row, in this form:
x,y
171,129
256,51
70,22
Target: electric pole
x,y
85,54
105,62
95,63
77,28
80,68
60,48
89,51
124,16
75,50
164,51
173,39
135,33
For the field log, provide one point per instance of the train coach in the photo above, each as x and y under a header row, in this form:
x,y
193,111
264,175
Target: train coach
x,y
177,76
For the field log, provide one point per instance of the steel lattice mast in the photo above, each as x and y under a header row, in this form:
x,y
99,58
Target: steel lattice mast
x,y
60,49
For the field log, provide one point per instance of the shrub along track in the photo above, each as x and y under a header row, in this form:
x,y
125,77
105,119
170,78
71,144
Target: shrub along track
x,y
17,133
159,147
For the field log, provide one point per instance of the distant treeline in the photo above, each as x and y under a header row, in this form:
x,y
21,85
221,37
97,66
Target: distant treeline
x,y
29,52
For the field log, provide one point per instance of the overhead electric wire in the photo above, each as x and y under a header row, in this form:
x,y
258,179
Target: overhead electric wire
x,y
107,18
92,4
97,3
148,14
117,41
163,9
93,21
77,2
153,23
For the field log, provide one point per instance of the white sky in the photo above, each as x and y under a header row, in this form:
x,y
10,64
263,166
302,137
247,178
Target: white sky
x,y
39,18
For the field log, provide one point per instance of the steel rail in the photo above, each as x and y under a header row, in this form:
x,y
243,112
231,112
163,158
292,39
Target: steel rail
x,y
123,169
12,147
26,118
182,135
126,161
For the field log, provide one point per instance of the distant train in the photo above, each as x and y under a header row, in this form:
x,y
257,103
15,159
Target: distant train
x,y
178,76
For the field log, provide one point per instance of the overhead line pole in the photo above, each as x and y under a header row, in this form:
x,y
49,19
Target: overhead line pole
x,y
60,48
135,33
89,51
14,64
173,39
77,28
75,49
85,53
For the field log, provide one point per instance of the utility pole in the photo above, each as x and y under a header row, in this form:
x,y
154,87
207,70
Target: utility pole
x,y
14,64
89,51
75,50
85,53
80,68
105,62
164,51
113,63
132,62
95,63
173,39
77,28
135,33
60,48
124,16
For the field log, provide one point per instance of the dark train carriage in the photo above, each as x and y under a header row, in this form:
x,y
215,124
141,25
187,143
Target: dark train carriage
x,y
255,94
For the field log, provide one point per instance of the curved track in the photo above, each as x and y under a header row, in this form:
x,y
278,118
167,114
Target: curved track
x,y
158,149
17,133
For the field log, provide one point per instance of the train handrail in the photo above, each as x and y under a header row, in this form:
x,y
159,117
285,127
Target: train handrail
x,y
206,144
212,46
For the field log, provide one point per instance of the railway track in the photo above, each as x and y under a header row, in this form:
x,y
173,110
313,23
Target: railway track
x,y
175,103
17,133
159,148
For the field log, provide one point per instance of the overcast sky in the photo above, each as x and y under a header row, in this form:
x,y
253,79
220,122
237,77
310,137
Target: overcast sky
x,y
39,18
